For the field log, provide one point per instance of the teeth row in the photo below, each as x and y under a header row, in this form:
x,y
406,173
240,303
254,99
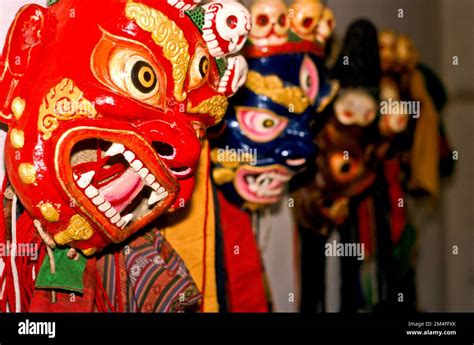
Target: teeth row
x,y
136,164
259,186
271,176
210,38
180,5
99,200
225,80
84,181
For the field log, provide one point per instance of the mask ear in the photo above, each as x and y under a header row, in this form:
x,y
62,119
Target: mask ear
x,y
23,37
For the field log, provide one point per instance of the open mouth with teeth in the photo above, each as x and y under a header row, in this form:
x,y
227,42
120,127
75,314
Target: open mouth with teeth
x,y
121,184
262,185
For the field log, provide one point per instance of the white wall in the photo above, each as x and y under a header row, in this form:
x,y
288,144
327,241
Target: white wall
x,y
457,19
8,9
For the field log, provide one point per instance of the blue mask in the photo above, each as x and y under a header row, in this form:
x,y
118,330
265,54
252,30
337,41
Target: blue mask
x,y
267,137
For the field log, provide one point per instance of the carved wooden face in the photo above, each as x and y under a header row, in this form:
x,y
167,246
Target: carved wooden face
x,y
106,109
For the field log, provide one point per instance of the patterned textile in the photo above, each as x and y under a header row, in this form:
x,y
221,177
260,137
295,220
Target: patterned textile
x,y
151,277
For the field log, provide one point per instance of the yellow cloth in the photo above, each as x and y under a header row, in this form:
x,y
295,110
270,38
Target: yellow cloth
x,y
425,150
185,232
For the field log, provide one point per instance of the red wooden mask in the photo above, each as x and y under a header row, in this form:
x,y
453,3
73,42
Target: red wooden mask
x,y
106,103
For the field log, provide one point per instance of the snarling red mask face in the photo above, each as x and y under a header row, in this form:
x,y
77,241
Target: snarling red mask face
x,y
106,103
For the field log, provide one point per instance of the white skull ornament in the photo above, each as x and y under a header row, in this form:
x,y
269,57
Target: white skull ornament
x,y
226,26
270,24
306,17
326,26
235,75
355,107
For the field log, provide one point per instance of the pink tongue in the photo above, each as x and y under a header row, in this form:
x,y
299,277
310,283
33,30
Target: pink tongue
x,y
123,190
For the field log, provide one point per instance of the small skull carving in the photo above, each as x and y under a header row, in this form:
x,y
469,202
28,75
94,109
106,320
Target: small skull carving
x,y
306,17
355,106
270,23
226,26
326,26
393,120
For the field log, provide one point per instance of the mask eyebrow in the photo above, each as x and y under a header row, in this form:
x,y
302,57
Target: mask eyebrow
x,y
166,34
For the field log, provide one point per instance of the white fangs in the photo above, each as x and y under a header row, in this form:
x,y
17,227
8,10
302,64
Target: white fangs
x,y
86,179
127,218
94,194
260,185
155,197
115,149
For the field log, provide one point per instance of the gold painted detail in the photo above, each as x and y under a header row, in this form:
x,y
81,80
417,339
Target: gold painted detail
x,y
78,229
18,107
17,138
49,212
253,207
223,175
63,102
27,173
5,116
89,251
167,34
215,107
273,87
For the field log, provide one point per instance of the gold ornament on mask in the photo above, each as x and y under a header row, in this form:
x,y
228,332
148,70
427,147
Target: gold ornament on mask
x,y
27,173
167,34
49,212
78,229
18,107
292,97
223,175
63,102
17,138
214,107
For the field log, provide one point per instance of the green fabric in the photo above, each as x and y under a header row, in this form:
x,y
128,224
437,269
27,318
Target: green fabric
x,y
367,285
52,2
197,16
69,272
402,251
222,66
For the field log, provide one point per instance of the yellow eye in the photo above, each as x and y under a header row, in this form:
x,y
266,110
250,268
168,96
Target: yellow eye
x,y
199,68
143,77
134,74
130,69
268,123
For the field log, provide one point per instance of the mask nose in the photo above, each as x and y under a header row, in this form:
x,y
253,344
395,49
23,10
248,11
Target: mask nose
x,y
175,143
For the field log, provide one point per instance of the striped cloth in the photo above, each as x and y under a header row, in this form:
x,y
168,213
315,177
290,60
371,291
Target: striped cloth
x,y
151,277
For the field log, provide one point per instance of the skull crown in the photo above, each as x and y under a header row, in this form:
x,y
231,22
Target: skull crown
x,y
274,24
